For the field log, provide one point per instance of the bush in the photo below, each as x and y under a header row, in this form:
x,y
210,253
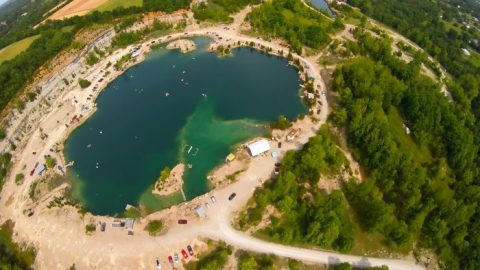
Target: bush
x,y
281,123
154,227
50,161
84,83
165,173
92,59
215,259
19,178
132,213
90,228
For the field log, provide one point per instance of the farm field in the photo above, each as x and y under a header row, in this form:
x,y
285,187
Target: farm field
x,y
16,48
112,4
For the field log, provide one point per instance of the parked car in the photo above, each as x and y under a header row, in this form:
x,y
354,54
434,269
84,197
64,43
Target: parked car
x,y
232,196
175,257
190,250
207,205
182,221
184,254
170,261
214,200
159,265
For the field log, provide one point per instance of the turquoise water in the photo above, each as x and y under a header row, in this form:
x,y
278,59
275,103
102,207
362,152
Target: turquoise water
x,y
138,129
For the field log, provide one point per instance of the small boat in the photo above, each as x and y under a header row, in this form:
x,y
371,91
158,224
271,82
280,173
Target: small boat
x,y
204,95
167,94
190,149
89,145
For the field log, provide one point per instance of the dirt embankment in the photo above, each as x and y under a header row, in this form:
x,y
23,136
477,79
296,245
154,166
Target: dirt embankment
x,y
184,45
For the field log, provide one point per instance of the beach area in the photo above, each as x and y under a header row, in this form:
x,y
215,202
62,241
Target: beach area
x,y
58,232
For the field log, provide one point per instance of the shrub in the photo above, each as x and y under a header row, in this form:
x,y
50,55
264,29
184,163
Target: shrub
x,y
90,228
19,178
281,123
154,227
50,161
84,83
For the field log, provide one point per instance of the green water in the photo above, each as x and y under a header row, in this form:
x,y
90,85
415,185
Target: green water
x,y
138,130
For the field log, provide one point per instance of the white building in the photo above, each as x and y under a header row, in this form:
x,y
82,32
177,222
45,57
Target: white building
x,y
259,147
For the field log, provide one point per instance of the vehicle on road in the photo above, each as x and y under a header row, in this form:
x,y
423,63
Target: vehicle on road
x,y
175,257
232,196
190,250
214,200
170,261
159,264
184,254
182,221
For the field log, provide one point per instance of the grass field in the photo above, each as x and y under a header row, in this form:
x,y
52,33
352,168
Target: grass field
x,y
16,48
421,154
112,4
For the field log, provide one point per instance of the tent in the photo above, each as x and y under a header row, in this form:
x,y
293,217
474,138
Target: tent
x,y
258,147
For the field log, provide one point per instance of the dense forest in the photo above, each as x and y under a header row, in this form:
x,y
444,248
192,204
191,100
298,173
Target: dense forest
x,y
293,21
432,197
441,29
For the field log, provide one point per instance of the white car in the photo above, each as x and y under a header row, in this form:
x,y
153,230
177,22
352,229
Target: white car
x,y
175,257
214,200
207,205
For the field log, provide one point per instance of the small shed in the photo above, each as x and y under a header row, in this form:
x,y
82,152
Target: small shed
x,y
230,157
259,147
199,211
39,169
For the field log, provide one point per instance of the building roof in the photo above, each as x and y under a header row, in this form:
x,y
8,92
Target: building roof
x,y
200,211
259,147
39,169
129,223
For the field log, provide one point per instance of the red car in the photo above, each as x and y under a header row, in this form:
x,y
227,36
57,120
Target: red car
x,y
182,221
190,250
170,261
184,254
